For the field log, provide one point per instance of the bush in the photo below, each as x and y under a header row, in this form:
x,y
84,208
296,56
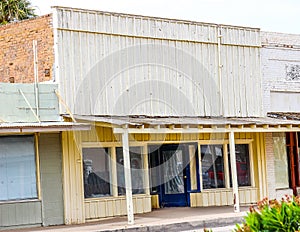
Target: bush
x,y
273,215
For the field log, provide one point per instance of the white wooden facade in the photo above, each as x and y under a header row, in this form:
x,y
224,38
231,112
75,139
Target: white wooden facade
x,y
137,65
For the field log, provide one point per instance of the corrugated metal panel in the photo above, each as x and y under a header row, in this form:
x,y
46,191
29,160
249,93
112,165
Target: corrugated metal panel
x,y
240,36
153,27
136,26
116,64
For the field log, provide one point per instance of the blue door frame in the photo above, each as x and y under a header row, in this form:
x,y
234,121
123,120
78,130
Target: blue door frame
x,y
174,174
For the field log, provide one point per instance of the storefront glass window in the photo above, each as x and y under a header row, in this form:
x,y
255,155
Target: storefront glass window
x,y
136,164
242,164
96,172
212,160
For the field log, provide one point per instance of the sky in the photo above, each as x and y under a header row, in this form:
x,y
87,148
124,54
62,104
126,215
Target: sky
x,y
269,15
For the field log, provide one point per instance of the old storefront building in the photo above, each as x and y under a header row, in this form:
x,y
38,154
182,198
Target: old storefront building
x,y
176,114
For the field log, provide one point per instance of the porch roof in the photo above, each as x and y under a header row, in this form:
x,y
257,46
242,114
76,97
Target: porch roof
x,y
146,124
25,127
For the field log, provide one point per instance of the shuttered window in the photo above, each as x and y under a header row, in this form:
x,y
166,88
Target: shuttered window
x,y
17,168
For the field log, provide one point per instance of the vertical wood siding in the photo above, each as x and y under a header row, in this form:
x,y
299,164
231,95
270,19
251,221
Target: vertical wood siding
x,y
117,64
50,152
72,179
20,214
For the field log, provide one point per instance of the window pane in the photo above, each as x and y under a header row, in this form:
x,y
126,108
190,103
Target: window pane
x,y
136,164
96,172
173,173
212,160
242,165
17,168
281,160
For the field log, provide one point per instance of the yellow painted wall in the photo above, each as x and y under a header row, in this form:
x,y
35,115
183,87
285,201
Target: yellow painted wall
x,y
223,197
78,210
115,206
72,178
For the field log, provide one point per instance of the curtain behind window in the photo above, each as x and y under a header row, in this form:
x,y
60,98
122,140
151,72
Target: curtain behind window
x,y
17,168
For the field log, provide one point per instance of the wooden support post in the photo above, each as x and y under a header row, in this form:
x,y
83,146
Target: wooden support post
x,y
146,170
127,175
292,161
234,178
114,180
297,159
226,165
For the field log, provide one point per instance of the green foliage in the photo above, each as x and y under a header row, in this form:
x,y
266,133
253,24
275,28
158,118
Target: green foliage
x,y
207,230
273,215
15,10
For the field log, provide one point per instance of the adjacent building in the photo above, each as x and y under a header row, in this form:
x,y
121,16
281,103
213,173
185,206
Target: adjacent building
x,y
281,75
31,190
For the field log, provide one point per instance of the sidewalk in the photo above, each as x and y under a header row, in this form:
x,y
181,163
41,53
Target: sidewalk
x,y
166,219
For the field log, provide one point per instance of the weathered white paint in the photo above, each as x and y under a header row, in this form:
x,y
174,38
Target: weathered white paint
x,y
127,175
137,65
234,178
280,53
279,100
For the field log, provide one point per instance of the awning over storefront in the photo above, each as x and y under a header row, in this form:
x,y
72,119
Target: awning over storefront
x,y
167,125
42,127
145,124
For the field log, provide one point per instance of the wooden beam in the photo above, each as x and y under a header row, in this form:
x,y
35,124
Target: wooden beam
x,y
27,102
159,130
60,99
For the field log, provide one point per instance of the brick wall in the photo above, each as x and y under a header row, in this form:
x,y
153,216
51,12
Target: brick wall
x,y
270,165
280,52
16,55
273,191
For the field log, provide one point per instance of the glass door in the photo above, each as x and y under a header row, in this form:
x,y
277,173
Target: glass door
x,y
174,190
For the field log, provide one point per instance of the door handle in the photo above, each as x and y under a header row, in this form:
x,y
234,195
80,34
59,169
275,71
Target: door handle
x,y
184,177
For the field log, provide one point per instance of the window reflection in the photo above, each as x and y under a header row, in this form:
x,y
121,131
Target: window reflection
x,y
136,164
212,166
242,164
96,172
